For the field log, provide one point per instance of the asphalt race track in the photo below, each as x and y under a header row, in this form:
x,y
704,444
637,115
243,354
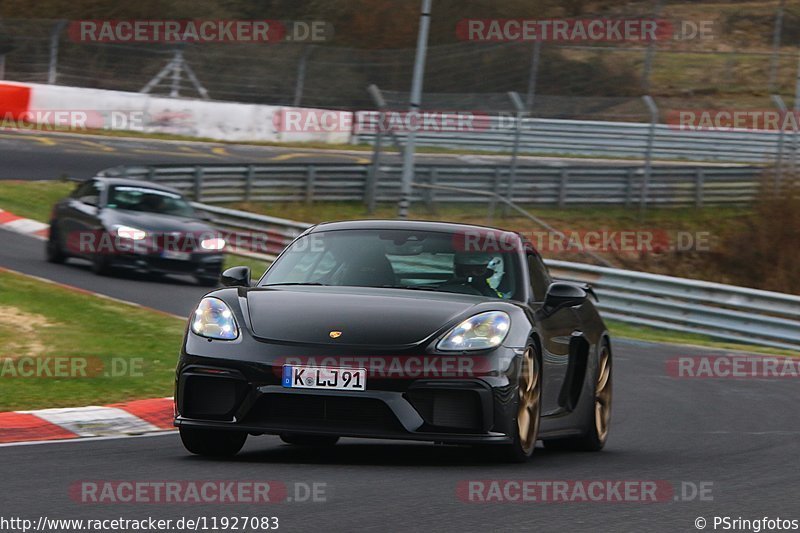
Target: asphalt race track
x,y
41,155
738,435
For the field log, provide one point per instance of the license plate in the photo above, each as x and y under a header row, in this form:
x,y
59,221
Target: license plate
x,y
179,256
316,377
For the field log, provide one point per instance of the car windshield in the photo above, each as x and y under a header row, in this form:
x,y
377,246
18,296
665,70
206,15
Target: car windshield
x,y
144,199
418,260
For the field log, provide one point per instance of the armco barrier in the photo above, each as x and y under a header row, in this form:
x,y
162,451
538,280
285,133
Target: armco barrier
x,y
548,185
720,311
603,139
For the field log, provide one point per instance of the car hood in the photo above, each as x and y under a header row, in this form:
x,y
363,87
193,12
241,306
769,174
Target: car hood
x,y
364,316
154,222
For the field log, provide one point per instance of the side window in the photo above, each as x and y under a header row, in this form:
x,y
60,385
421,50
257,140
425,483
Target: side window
x,y
540,279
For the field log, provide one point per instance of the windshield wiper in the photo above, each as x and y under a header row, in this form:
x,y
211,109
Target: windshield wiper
x,y
295,283
410,287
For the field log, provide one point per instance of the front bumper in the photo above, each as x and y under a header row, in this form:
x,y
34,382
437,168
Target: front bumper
x,y
240,395
199,264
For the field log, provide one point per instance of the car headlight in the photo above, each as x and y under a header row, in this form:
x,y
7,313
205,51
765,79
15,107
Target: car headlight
x,y
479,332
215,243
213,319
127,232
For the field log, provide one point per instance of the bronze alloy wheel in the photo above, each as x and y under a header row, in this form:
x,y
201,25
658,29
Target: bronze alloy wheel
x,y
529,402
602,394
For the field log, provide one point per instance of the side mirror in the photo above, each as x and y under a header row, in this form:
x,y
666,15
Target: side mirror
x,y
562,294
236,277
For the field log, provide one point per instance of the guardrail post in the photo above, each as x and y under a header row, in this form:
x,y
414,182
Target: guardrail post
x,y
198,184
562,187
629,189
248,183
151,173
700,179
430,194
493,199
311,178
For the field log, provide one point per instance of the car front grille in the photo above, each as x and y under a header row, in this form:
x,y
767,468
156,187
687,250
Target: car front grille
x,y
323,411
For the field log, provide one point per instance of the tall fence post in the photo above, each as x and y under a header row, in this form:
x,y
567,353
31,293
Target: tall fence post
x,y
778,101
776,46
519,108
648,156
534,75
651,50
55,32
301,76
371,185
198,183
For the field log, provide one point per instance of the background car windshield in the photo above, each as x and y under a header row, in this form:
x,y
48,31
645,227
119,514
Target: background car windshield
x,y
149,200
400,259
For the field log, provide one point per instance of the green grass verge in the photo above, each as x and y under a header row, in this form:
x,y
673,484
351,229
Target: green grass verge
x,y
33,199
45,320
644,333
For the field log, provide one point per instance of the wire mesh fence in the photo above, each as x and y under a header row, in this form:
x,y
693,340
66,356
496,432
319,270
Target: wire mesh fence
x,y
594,80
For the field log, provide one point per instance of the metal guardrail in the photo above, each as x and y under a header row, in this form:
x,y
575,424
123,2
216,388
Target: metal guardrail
x,y
540,184
602,139
720,311
725,312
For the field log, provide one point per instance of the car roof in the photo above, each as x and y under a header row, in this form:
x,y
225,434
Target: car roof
x,y
136,183
419,225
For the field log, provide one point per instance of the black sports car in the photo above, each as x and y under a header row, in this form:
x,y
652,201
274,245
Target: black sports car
x,y
397,329
123,223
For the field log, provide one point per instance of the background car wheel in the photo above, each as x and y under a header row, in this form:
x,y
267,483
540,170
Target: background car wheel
x,y
599,417
309,440
208,281
213,443
529,407
53,250
101,265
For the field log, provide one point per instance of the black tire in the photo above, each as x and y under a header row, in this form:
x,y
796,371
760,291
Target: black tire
x,y
208,281
53,251
101,264
309,440
212,442
521,450
598,418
